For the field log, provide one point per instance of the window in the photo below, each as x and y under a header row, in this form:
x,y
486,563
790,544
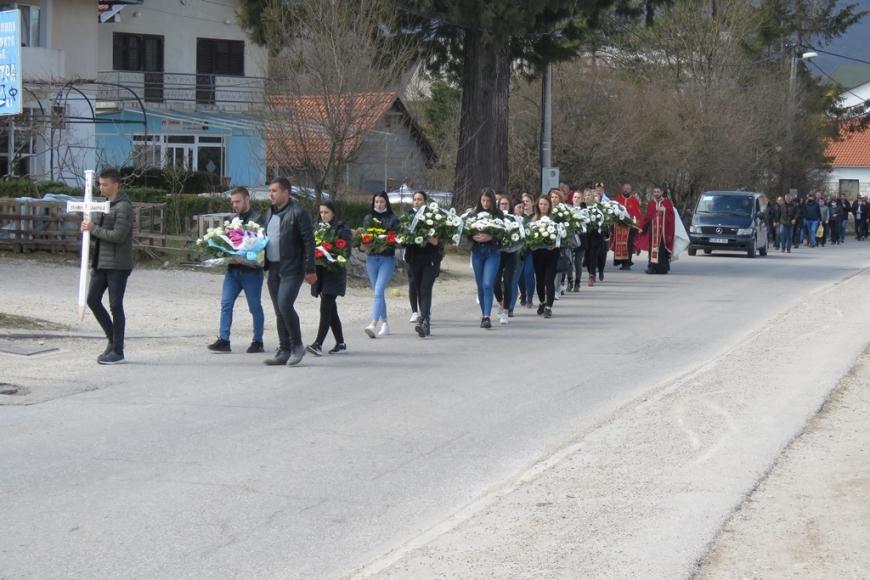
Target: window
x,y
30,22
137,52
220,57
849,187
191,152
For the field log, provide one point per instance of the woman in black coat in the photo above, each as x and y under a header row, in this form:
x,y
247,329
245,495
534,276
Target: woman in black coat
x,y
424,263
330,285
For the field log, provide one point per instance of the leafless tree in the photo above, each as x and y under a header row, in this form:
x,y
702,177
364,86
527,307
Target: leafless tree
x,y
327,82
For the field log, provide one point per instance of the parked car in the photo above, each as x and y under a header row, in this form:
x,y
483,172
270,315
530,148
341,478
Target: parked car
x,y
731,221
406,194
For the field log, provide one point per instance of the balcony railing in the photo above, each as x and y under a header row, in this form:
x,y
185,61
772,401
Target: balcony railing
x,y
182,91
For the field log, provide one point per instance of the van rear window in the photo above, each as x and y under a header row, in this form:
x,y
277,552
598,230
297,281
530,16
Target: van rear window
x,y
726,204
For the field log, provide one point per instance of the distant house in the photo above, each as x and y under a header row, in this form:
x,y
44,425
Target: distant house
x,y
384,144
180,85
850,157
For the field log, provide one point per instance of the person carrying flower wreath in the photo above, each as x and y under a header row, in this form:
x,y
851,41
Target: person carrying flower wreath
x,y
424,264
380,264
504,279
331,282
485,257
526,268
545,259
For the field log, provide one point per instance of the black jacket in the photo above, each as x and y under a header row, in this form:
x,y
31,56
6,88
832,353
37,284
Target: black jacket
x,y
334,282
811,211
251,215
297,239
389,221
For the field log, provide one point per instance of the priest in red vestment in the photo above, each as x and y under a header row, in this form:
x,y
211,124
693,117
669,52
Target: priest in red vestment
x,y
622,239
658,226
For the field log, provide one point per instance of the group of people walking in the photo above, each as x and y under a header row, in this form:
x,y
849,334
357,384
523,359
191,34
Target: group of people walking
x,y
815,219
504,273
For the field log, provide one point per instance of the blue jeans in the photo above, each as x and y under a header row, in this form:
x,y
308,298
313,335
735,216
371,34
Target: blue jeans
x,y
843,225
785,236
236,280
380,270
526,277
485,261
812,226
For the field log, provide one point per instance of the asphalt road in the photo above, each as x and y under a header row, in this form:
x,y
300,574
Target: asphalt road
x,y
199,465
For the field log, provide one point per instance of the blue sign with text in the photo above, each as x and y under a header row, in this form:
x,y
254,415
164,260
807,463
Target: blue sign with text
x,y
10,62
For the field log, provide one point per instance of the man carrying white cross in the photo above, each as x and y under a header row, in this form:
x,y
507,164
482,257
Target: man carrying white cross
x,y
112,264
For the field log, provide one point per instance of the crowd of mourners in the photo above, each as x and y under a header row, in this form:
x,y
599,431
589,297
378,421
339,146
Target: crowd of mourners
x,y
815,220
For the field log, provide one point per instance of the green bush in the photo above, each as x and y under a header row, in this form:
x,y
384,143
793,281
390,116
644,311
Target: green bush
x,y
28,188
145,194
155,177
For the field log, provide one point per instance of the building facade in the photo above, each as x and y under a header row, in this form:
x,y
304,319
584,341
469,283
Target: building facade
x,y
54,137
181,85
850,157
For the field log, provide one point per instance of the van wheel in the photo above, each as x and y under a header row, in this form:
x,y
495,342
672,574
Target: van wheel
x,y
693,251
750,253
762,251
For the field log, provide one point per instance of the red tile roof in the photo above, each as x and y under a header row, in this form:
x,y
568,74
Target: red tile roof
x,y
852,151
303,128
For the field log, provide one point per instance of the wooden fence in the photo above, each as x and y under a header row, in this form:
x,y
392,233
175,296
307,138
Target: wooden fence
x,y
27,225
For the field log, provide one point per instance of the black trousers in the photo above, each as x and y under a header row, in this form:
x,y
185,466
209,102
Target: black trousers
x,y
861,228
422,273
115,281
576,272
329,319
545,275
283,291
412,291
596,253
504,279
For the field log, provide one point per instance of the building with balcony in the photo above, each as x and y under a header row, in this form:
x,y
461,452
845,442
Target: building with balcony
x,y
54,137
180,84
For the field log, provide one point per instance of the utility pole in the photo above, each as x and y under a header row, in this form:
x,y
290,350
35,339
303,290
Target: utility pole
x,y
546,126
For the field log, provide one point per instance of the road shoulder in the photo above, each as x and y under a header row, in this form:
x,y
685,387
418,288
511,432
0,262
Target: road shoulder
x,y
810,518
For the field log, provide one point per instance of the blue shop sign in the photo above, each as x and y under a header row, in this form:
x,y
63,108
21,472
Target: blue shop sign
x,y
10,62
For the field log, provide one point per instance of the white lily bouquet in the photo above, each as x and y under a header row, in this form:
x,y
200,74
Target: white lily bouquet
x,y
593,218
544,233
430,220
485,223
616,214
235,242
515,232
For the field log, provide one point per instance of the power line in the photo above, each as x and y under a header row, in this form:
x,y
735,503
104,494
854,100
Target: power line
x,y
839,55
821,70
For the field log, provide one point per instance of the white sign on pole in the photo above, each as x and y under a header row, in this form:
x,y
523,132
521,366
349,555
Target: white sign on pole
x,y
85,208
549,178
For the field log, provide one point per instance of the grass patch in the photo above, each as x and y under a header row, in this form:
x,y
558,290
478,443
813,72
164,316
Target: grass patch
x,y
27,323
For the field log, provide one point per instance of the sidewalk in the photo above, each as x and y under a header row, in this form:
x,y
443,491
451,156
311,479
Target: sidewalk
x,y
810,518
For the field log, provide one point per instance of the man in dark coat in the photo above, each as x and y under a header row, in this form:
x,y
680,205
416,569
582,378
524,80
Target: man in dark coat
x,y
112,264
238,277
289,262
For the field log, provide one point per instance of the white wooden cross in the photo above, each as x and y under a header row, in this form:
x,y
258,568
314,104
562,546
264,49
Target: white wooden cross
x,y
85,207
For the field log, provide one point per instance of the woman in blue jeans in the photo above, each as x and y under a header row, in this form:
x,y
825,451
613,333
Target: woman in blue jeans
x,y
380,266
485,259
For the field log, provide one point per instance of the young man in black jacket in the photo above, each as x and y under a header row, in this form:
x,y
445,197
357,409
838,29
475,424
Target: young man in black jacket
x,y
241,277
112,264
289,262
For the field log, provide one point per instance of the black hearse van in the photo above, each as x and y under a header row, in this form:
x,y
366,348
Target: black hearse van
x,y
730,221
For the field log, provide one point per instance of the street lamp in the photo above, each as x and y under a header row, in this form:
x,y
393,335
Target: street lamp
x,y
792,82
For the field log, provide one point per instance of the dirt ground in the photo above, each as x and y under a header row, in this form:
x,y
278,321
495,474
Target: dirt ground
x,y
810,518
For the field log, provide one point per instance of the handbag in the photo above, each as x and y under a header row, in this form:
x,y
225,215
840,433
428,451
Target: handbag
x,y
564,264
820,231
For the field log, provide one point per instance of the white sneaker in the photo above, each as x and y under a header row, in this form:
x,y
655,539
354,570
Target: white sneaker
x,y
385,330
370,330
414,317
503,318
556,297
